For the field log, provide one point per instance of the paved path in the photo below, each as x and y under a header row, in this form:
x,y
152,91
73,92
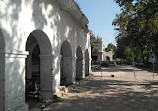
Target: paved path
x,y
123,92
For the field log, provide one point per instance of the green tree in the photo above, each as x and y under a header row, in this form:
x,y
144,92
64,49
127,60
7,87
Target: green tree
x,y
138,23
121,46
110,47
95,43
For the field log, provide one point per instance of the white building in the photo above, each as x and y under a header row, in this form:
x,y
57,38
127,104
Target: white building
x,y
103,55
46,40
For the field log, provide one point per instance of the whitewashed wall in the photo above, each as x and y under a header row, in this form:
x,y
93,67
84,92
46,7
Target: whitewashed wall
x,y
18,18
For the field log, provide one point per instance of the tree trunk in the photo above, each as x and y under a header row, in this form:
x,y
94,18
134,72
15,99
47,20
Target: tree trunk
x,y
156,58
133,64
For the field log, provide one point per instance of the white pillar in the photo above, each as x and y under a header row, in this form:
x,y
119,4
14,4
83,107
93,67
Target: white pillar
x,y
83,69
56,73
74,69
14,97
90,60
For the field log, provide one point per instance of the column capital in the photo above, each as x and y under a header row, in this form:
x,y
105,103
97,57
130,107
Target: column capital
x,y
14,53
74,57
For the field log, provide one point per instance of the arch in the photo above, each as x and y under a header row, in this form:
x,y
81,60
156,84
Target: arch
x,y
66,50
86,63
39,64
66,64
79,65
42,40
2,72
107,58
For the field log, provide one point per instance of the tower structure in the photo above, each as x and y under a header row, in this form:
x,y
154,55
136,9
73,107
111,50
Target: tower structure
x,y
100,52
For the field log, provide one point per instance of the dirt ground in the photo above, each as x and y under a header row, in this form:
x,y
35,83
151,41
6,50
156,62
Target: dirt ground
x,y
123,92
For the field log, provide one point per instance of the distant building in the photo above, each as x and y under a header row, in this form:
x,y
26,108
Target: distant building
x,y
103,55
108,56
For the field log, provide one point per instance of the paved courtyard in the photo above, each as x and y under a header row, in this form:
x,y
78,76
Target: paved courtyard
x,y
123,92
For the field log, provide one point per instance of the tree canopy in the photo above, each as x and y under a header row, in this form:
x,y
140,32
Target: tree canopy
x,y
95,43
110,47
137,25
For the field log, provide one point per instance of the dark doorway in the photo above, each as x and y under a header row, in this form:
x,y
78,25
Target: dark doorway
x,y
79,65
66,64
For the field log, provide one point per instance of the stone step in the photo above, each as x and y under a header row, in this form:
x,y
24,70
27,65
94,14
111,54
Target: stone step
x,y
64,90
60,93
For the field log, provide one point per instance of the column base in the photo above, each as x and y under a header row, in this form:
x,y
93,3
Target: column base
x,y
46,95
22,107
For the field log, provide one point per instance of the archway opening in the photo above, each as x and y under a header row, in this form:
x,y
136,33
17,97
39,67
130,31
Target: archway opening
x,y
2,72
32,77
107,58
86,63
79,65
32,69
38,68
66,64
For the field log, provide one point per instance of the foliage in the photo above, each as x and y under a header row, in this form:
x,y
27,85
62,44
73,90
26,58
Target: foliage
x,y
138,25
110,47
95,43
120,48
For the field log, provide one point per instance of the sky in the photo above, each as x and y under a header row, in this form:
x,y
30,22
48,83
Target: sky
x,y
100,14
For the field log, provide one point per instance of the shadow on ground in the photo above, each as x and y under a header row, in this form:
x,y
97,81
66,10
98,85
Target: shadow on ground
x,y
110,95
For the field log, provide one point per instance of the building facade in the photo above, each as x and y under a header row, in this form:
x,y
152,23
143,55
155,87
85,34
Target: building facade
x,y
103,55
43,41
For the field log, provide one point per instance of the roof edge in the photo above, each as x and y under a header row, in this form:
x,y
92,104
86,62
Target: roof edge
x,y
72,7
